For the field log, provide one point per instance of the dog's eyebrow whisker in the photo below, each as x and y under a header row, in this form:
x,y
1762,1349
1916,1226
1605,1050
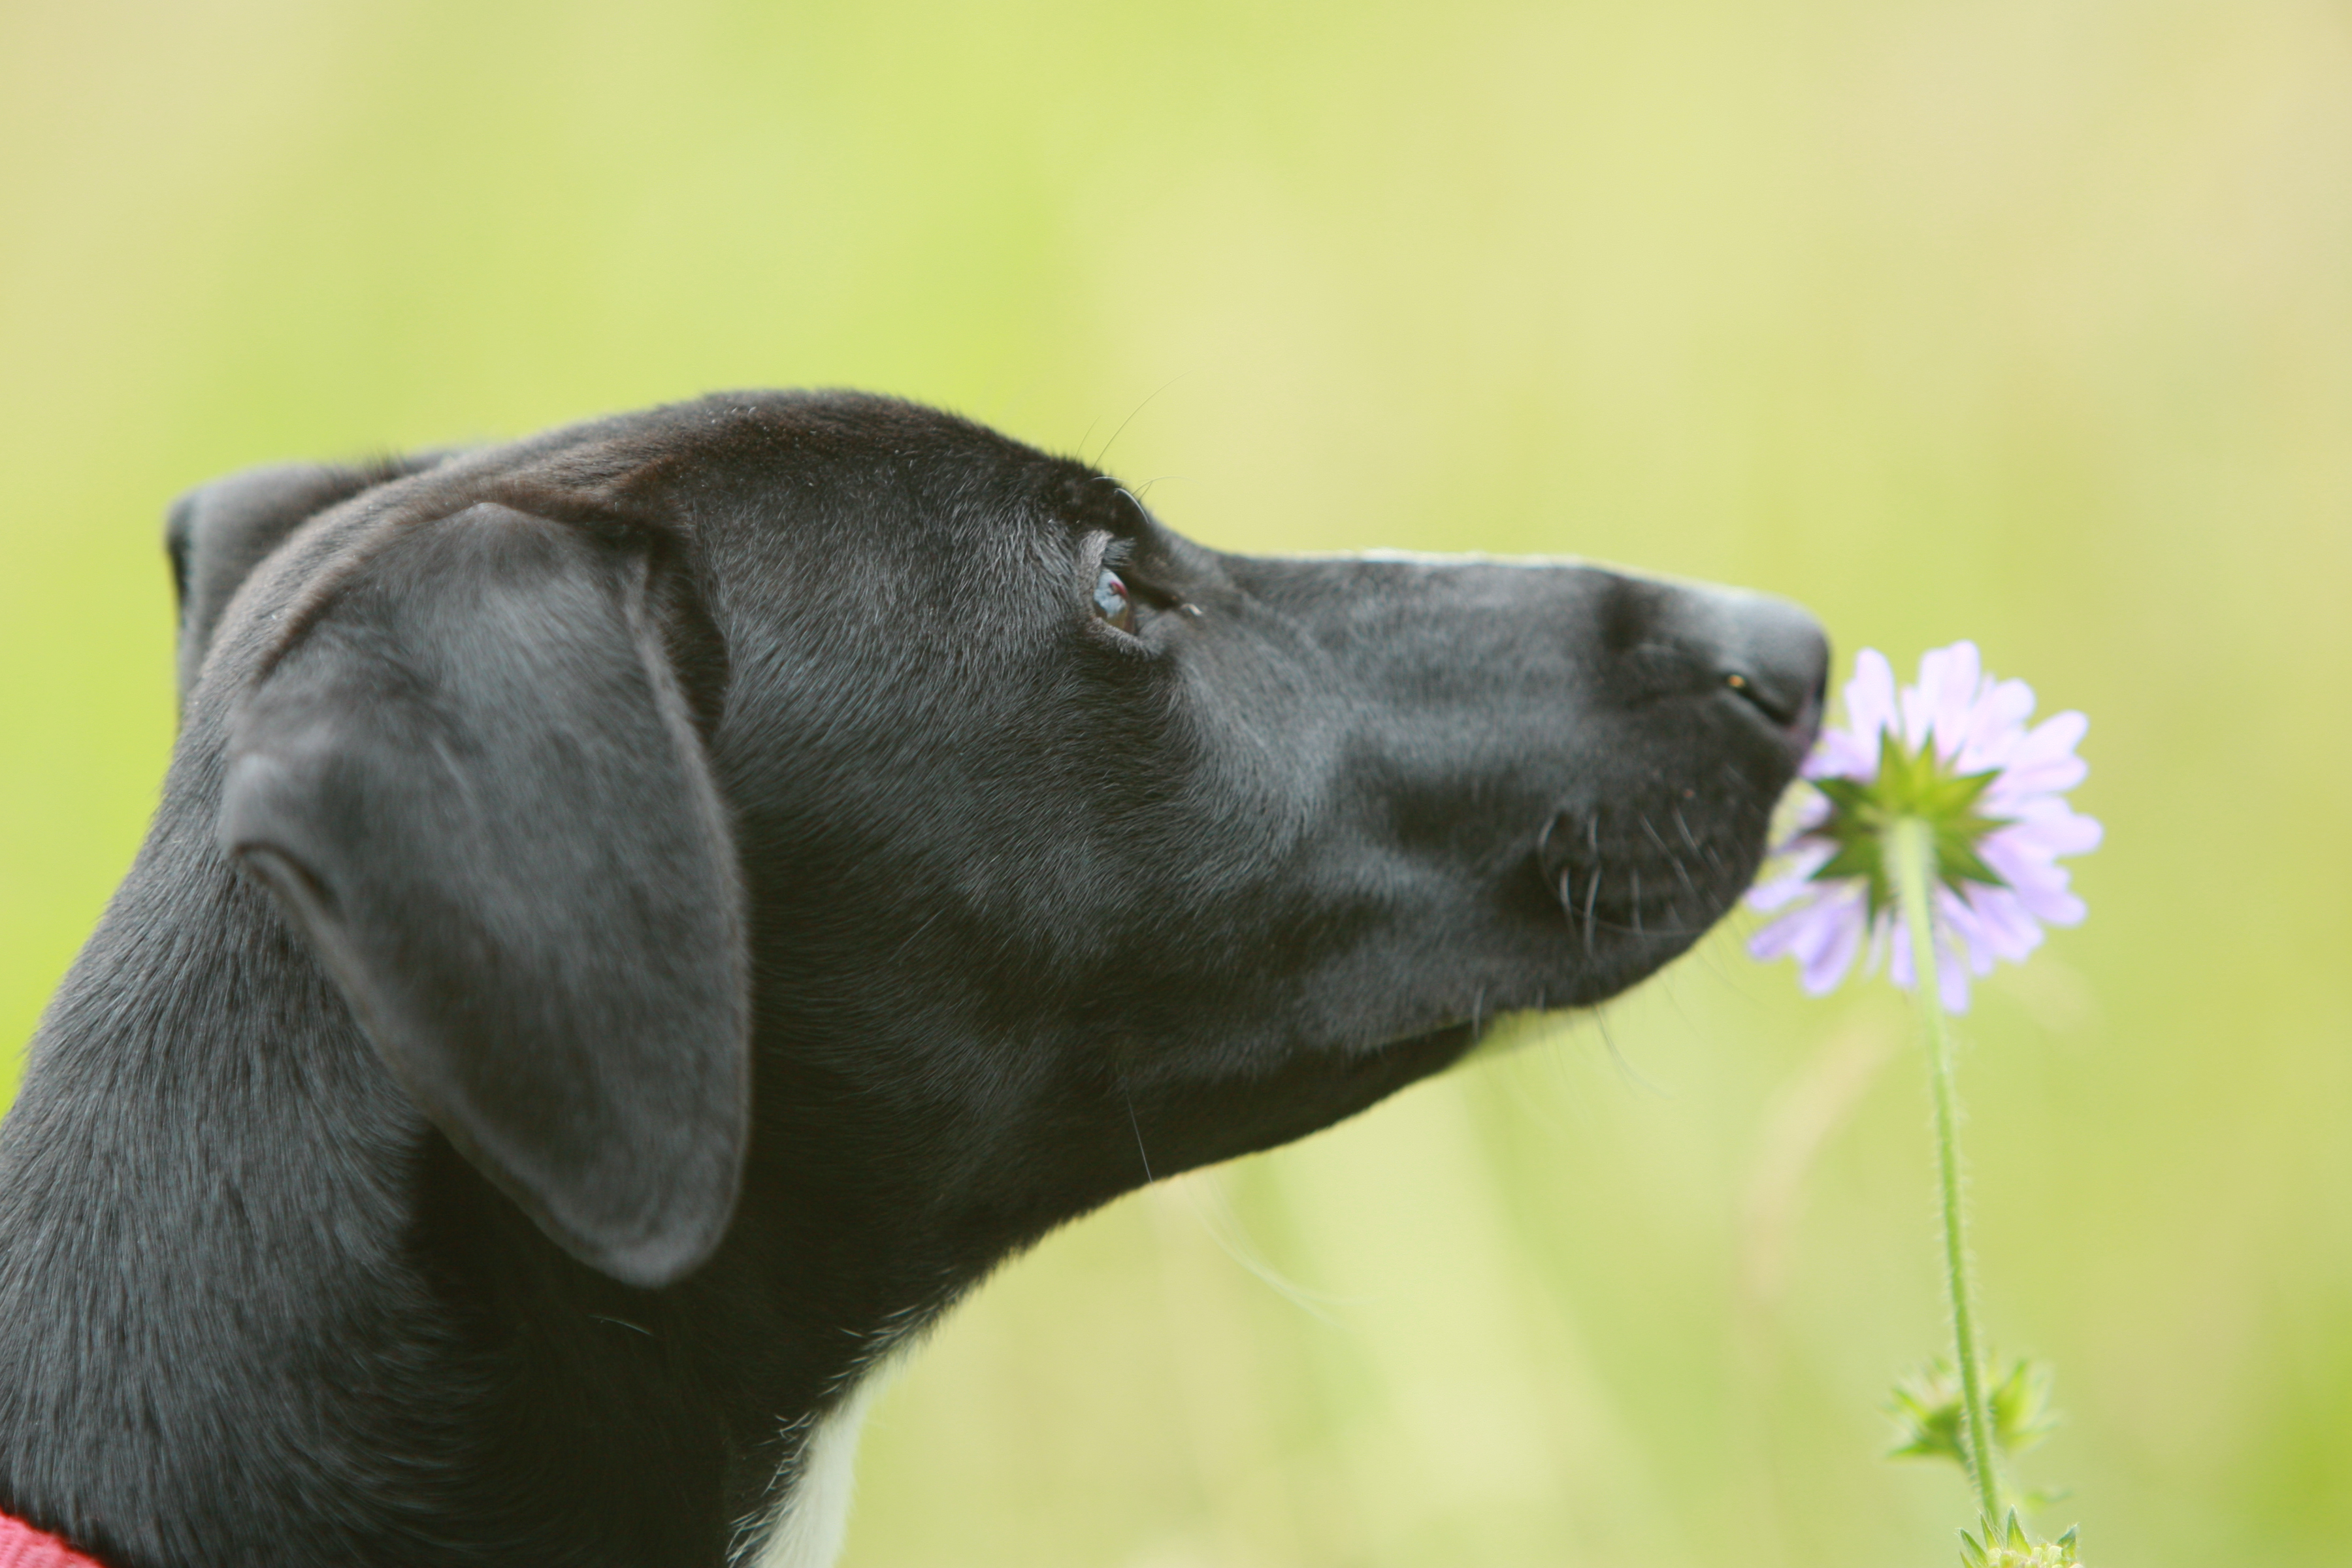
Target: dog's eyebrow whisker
x,y
620,1323
1123,423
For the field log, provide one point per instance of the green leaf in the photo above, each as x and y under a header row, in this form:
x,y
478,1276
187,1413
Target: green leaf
x,y
1926,1407
2022,1416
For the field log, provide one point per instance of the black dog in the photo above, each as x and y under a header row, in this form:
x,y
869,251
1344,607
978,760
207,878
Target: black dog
x,y
642,919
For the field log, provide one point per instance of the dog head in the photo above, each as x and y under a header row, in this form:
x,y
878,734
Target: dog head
x,y
784,826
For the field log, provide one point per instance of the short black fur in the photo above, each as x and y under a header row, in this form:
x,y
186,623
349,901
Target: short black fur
x,y
641,919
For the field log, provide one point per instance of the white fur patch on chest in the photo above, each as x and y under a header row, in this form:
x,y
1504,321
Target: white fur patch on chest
x,y
807,1528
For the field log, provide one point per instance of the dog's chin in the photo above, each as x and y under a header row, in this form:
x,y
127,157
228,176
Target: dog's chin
x,y
1442,1046
1597,954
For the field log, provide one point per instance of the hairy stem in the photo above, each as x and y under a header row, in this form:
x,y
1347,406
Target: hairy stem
x,y
1910,847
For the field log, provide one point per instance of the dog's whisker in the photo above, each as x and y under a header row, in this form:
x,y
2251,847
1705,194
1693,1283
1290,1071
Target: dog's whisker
x,y
1226,1231
1592,898
1672,860
1654,930
1650,828
620,1323
1682,825
1623,1063
1142,1152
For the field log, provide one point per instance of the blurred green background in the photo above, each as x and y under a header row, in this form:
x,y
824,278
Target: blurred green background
x,y
2028,320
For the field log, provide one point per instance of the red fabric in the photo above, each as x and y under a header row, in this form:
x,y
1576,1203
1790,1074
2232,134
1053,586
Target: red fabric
x,y
22,1546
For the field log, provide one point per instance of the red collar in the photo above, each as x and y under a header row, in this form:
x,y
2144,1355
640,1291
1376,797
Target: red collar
x,y
22,1546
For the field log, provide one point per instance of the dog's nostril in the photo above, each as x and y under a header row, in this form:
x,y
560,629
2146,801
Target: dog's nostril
x,y
1772,654
1775,704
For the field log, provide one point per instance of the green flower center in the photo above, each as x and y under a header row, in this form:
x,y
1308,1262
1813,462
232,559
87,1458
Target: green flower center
x,y
1909,785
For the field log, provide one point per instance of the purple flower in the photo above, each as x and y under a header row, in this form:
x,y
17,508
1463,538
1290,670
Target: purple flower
x,y
1954,751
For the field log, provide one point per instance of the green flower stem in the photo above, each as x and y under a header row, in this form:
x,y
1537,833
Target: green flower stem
x,y
1910,855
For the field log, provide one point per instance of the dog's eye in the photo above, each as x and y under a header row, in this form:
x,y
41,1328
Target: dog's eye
x,y
1112,601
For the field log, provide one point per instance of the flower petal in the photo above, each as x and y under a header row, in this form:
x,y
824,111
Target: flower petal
x,y
1782,936
1795,877
1776,937
2002,924
1826,966
1958,923
1812,809
2047,827
1870,702
2039,886
1829,944
1951,981
1898,953
1839,755
1995,726
2043,761
1951,970
1882,929
1939,704
1823,935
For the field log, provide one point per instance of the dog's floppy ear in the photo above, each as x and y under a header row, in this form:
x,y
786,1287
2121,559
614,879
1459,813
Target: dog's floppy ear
x,y
472,776
217,533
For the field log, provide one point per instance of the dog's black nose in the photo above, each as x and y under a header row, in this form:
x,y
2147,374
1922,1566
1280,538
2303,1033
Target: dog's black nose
x,y
1771,652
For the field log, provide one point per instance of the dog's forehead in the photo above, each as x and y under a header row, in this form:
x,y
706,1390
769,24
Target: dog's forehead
x,y
848,497
896,464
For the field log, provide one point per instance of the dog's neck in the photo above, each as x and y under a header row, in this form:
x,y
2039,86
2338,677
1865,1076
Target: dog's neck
x,y
810,1519
345,1346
